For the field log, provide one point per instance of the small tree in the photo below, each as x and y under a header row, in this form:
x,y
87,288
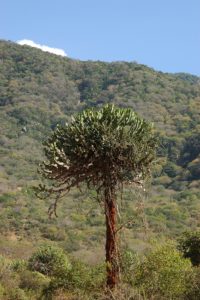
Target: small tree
x,y
163,273
49,260
103,148
189,245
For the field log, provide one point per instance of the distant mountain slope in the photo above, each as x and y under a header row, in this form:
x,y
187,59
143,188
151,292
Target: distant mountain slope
x,y
39,90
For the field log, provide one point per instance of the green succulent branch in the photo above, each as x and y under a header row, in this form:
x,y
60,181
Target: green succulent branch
x,y
96,143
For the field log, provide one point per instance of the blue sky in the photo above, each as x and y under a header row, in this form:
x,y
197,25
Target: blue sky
x,y
163,34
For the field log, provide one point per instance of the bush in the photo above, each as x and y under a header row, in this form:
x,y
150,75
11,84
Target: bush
x,y
85,277
193,291
18,265
2,291
49,260
33,281
189,245
163,273
80,278
129,261
52,233
8,278
4,266
15,294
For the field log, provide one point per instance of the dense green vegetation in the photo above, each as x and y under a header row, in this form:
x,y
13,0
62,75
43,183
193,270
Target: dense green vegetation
x,y
39,90
162,274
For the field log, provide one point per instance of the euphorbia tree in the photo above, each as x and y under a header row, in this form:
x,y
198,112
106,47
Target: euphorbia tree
x,y
103,148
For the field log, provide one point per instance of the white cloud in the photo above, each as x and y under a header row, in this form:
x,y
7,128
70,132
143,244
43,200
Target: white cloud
x,y
42,47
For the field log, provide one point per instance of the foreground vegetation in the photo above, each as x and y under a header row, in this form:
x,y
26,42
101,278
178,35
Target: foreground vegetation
x,y
162,273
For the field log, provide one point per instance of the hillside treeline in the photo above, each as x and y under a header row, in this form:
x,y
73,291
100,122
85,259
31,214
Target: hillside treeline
x,y
38,90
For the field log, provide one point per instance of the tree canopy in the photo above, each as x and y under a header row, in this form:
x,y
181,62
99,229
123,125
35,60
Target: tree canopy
x,y
97,142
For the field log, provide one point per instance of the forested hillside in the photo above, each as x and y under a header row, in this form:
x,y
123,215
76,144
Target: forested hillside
x,y
39,90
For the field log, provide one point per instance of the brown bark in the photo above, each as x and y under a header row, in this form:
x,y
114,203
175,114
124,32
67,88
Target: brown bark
x,y
111,239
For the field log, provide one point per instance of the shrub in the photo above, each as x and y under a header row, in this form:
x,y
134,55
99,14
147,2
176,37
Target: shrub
x,y
80,278
49,260
193,290
33,281
8,278
129,261
163,273
2,291
15,294
189,245
18,265
52,233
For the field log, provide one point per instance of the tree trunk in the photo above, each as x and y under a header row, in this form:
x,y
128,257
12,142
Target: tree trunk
x,y
111,239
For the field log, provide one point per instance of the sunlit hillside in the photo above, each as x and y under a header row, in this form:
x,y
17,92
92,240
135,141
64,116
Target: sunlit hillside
x,y
39,90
